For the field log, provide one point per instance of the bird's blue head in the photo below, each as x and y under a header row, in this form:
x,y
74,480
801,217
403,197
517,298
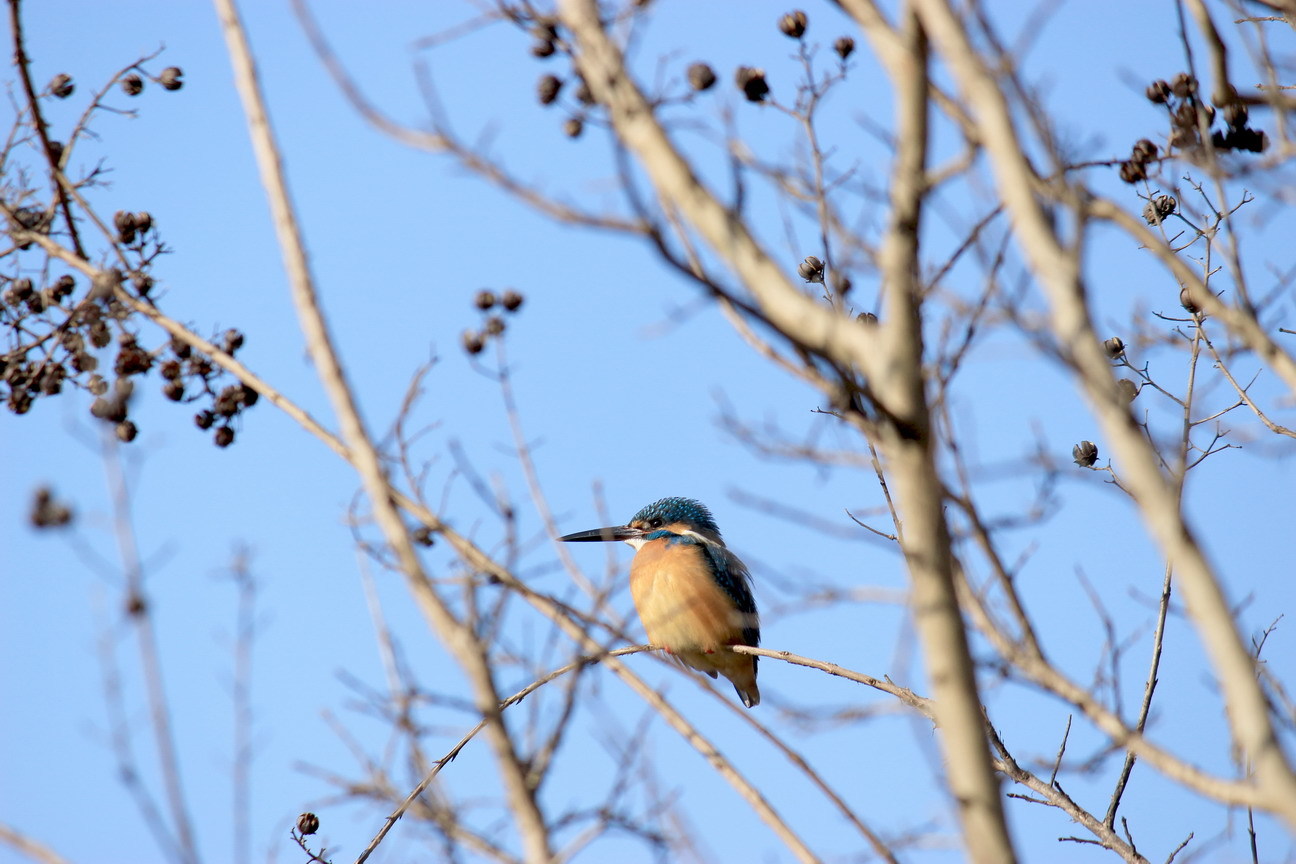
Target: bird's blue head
x,y
671,511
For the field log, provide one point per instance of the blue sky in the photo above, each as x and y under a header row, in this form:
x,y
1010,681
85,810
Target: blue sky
x,y
622,377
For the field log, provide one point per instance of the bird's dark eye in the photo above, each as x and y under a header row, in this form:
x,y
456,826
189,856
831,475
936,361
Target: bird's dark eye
x,y
655,523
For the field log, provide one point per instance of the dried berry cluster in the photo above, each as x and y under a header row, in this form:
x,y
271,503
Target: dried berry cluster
x,y
1136,167
474,341
65,330
1190,118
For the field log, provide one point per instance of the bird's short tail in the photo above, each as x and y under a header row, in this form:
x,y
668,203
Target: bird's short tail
x,y
743,677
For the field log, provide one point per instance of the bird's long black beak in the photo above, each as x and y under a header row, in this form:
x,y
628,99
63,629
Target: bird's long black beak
x,y
616,532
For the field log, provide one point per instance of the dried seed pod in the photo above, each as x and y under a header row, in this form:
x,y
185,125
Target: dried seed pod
x,y
793,24
1144,150
701,77
472,342
543,48
124,222
844,46
811,269
1085,454
19,291
1235,115
143,221
61,86
174,390
1183,85
1185,116
1186,301
423,536
132,84
126,431
1156,210
1128,389
867,318
47,511
228,401
494,325
485,299
1132,172
170,78
249,396
224,436
204,419
1158,92
511,300
547,89
573,127
1115,347
308,823
62,287
752,82
233,340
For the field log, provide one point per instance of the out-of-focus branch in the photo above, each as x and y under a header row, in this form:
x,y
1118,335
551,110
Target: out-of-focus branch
x,y
29,847
468,651
908,441
1057,266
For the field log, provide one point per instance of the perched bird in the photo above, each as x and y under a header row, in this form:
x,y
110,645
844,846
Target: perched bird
x,y
692,594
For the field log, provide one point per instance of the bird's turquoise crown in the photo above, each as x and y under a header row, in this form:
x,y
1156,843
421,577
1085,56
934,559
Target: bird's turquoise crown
x,y
687,510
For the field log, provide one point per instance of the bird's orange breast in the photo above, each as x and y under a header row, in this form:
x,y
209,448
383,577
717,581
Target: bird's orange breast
x,y
678,600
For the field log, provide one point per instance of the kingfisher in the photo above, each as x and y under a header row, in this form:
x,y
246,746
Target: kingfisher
x,y
692,594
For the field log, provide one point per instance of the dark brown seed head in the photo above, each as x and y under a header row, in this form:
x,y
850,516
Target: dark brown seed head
x,y
701,77
752,82
472,342
844,46
308,823
233,340
170,78
811,269
61,86
224,436
1183,85
573,127
793,24
132,84
126,431
485,299
1132,172
1085,454
1115,347
511,300
548,88
1158,91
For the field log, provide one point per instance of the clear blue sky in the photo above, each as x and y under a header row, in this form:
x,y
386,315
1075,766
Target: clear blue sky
x,y
622,377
